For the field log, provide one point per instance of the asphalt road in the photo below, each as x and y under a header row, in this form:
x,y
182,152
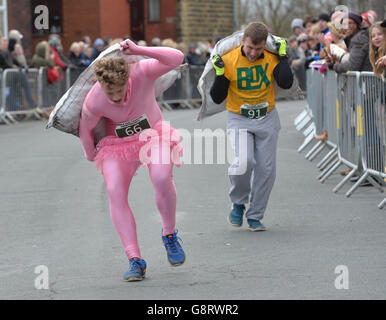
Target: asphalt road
x,y
54,213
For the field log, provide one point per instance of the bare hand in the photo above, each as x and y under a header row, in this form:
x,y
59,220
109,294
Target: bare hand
x,y
381,62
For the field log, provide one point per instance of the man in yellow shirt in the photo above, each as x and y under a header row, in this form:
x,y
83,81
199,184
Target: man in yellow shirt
x,y
244,76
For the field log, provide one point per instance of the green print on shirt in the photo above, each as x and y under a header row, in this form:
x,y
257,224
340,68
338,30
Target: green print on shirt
x,y
252,78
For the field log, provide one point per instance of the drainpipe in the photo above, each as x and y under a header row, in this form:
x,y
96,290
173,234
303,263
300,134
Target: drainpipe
x,y
4,12
235,16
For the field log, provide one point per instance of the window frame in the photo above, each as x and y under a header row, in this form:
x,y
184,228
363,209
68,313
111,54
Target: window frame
x,y
151,6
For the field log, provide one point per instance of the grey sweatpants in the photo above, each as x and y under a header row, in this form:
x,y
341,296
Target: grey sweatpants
x,y
257,156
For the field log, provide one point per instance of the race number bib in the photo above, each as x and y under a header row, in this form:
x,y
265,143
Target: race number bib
x,y
133,127
256,111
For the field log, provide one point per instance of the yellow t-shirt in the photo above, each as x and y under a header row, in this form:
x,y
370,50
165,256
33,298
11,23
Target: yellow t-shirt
x,y
250,82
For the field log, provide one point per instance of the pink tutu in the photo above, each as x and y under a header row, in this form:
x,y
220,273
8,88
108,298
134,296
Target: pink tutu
x,y
136,148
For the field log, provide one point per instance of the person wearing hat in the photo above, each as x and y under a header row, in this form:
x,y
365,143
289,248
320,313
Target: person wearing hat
x,y
368,18
357,42
99,45
57,49
297,26
323,20
15,35
192,57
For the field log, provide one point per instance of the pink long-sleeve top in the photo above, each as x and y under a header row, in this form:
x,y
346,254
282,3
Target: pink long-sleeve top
x,y
140,98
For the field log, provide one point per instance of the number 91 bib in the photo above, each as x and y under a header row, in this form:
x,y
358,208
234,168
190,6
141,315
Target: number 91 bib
x,y
130,128
258,111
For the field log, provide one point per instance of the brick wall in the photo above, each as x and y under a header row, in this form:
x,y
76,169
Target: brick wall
x,y
167,27
80,18
20,18
202,19
114,19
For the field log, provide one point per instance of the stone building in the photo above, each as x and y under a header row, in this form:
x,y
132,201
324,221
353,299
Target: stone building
x,y
201,19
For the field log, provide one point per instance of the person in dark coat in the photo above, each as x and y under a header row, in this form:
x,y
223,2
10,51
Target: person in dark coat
x,y
99,45
193,58
357,42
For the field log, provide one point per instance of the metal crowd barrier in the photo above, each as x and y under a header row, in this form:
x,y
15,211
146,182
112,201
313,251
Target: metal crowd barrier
x,y
49,94
347,97
372,130
194,76
184,90
330,122
351,107
28,92
19,93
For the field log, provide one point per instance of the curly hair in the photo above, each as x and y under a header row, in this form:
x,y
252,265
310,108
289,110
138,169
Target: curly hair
x,y
112,71
376,53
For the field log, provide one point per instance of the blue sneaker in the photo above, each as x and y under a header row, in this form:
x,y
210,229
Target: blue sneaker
x,y
255,225
137,270
176,255
235,218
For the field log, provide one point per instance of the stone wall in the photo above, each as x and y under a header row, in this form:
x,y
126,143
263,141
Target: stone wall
x,y
202,19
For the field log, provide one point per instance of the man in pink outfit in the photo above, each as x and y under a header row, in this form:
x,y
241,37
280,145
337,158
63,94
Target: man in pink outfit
x,y
124,97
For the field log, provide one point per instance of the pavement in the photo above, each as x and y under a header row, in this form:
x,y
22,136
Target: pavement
x,y
58,241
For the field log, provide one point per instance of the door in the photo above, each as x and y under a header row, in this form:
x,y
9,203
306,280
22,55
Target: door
x,y
137,20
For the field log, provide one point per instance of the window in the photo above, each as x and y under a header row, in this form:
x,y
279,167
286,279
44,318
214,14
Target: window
x,y
54,16
154,11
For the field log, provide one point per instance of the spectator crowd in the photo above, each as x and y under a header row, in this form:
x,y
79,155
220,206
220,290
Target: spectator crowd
x,y
51,55
339,41
81,54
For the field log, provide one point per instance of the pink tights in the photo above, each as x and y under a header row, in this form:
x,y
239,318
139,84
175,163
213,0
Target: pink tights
x,y
118,175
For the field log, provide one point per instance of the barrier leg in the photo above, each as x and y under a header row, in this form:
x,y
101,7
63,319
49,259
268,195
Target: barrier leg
x,y
330,160
167,106
332,153
303,123
381,205
300,117
356,185
12,119
330,172
315,154
310,129
343,182
188,104
4,119
333,163
316,146
374,183
306,142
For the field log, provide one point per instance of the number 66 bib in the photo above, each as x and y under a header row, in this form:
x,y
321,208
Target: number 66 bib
x,y
130,128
